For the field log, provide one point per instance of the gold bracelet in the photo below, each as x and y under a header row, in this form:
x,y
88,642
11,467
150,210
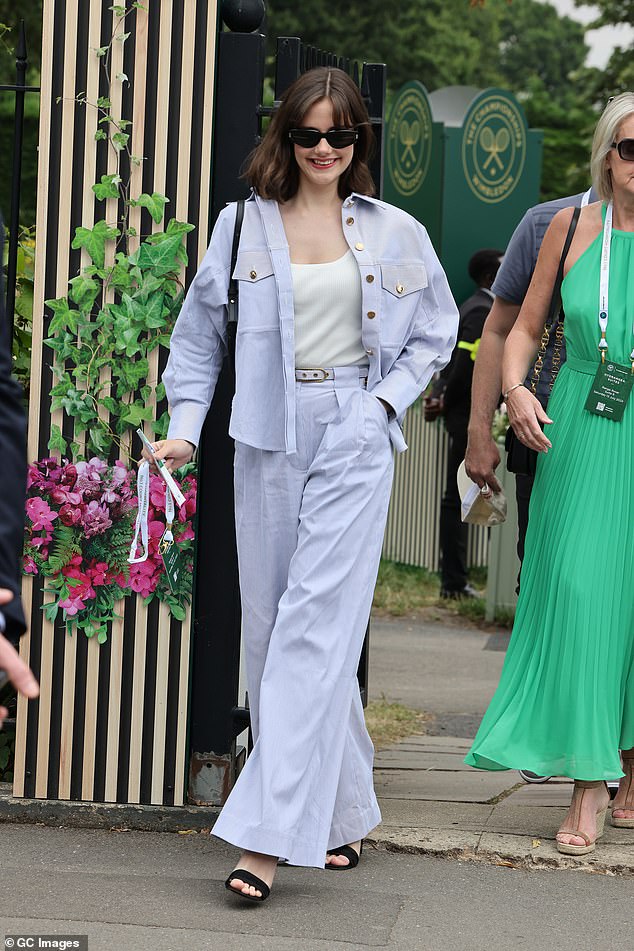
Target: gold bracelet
x,y
510,390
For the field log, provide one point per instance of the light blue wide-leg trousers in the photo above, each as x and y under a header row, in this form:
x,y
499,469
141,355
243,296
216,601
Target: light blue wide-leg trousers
x,y
310,529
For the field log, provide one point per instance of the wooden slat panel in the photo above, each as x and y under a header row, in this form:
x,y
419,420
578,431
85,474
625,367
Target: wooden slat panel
x,y
412,532
67,144
114,707
90,720
68,717
183,688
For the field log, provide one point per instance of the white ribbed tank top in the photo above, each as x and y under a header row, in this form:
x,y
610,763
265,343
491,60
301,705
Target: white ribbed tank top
x,y
328,314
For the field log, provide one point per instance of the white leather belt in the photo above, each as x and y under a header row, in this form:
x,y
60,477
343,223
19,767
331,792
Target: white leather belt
x,y
320,375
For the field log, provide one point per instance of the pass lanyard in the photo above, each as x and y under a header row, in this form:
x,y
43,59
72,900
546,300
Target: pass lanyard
x,y
604,286
141,527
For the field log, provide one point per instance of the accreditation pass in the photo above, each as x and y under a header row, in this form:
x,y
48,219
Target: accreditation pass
x,y
610,391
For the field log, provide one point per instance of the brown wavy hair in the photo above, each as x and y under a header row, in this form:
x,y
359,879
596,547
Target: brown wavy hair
x,y
271,168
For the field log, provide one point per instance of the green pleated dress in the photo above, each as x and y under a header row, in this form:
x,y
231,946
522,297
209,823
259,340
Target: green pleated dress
x,y
565,702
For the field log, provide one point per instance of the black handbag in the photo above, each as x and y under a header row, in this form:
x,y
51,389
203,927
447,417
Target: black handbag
x,y
232,303
520,459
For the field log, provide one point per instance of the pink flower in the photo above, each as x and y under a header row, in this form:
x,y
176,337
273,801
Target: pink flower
x,y
62,496
144,577
40,514
72,605
29,567
98,573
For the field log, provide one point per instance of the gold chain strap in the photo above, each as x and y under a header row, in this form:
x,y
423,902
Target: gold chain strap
x,y
539,362
556,364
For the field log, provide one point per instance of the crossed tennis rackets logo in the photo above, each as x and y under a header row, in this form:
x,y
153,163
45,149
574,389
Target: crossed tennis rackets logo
x,y
494,144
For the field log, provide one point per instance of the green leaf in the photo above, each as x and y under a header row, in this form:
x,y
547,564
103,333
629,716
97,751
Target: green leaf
x,y
161,425
50,611
110,404
109,186
56,443
122,78
154,203
103,102
178,227
177,611
120,140
64,317
160,391
161,253
100,135
102,50
102,636
94,240
135,414
83,291
155,311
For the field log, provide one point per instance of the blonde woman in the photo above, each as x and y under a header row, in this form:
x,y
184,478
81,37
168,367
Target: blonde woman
x,y
565,702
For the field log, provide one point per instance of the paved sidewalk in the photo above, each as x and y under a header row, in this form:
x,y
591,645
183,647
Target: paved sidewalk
x,y
431,802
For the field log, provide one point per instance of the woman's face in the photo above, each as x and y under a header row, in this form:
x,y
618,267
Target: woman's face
x,y
622,171
321,165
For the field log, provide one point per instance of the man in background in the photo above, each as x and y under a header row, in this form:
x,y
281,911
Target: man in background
x,y
451,398
13,461
510,285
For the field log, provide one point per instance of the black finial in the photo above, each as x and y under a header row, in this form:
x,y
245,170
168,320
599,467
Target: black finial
x,y
242,16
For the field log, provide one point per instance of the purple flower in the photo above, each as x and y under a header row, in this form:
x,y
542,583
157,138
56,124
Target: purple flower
x,y
95,519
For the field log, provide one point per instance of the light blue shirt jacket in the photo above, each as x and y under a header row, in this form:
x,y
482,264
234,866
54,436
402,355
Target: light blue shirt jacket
x,y
409,321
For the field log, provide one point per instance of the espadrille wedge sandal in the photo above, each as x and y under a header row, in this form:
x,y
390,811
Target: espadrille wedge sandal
x,y
572,828
622,822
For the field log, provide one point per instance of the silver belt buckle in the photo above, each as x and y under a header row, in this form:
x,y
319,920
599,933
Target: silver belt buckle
x,y
314,374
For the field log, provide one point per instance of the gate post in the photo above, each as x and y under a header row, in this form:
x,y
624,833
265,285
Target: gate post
x,y
215,720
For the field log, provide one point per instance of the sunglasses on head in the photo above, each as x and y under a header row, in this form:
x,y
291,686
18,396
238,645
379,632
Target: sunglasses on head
x,y
625,148
336,138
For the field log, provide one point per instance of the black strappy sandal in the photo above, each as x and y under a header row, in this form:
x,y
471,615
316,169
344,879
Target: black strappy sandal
x,y
250,879
348,853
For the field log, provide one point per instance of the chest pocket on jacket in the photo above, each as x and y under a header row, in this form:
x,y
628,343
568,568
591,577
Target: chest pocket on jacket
x,y
258,291
400,280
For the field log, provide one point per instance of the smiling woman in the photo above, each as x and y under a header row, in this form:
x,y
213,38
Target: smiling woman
x,y
345,314
565,702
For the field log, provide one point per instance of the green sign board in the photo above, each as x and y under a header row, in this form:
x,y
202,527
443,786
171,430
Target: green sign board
x,y
492,175
464,163
413,158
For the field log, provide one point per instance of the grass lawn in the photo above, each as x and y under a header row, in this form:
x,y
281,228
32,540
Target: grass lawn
x,y
408,591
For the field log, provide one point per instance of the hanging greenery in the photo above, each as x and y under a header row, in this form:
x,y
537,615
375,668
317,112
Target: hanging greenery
x,y
119,309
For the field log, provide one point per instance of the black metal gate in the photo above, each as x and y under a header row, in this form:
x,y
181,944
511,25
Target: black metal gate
x,y
215,718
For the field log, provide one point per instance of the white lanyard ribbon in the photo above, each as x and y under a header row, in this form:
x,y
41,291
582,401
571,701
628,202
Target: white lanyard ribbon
x,y
605,281
142,527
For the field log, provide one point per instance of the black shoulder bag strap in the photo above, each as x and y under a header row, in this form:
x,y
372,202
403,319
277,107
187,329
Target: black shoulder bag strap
x,y
555,313
232,304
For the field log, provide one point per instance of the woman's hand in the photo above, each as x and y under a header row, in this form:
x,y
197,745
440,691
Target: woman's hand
x,y
175,452
525,415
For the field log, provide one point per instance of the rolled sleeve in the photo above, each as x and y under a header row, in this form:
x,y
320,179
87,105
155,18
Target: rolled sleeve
x,y
198,344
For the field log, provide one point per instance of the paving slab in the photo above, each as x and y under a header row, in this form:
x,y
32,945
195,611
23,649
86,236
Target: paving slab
x,y
442,786
417,759
468,816
447,842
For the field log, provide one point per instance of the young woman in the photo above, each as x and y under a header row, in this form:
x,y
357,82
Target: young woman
x,y
565,702
345,314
